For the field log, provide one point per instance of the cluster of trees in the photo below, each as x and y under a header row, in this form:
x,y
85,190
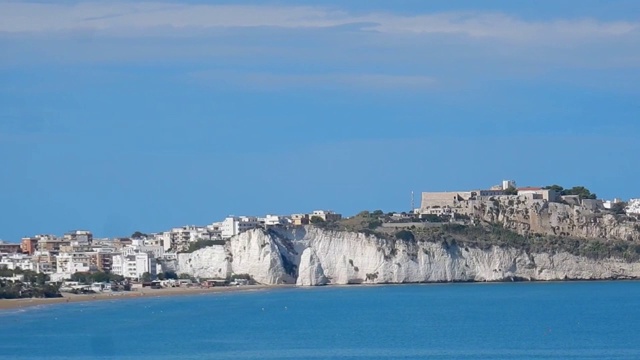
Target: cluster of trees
x,y
167,275
87,278
18,289
33,285
29,276
434,218
581,191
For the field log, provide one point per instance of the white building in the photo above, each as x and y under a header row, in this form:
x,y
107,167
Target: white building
x,y
134,266
177,237
633,207
13,261
153,250
608,204
79,237
234,225
71,263
325,215
506,184
274,220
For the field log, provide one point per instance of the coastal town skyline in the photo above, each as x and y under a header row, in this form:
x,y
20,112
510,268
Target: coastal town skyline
x,y
417,201
412,199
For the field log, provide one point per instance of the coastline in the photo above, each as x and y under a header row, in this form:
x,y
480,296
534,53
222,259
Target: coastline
x,y
13,304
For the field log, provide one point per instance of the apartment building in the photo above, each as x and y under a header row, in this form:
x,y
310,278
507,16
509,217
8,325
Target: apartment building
x,y
234,225
134,266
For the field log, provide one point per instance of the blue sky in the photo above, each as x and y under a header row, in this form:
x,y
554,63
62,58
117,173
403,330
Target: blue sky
x,y
125,116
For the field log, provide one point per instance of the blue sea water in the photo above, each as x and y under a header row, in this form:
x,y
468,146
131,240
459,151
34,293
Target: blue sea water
x,y
568,320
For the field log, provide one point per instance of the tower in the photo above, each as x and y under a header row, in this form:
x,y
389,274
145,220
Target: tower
x,y
413,207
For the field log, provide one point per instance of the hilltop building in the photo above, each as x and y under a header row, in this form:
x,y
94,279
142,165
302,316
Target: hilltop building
x,y
539,193
234,225
455,198
326,215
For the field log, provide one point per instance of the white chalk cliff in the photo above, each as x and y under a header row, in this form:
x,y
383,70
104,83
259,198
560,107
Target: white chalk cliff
x,y
312,256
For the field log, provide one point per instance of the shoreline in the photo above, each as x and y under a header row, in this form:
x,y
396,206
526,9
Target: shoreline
x,y
67,298
16,304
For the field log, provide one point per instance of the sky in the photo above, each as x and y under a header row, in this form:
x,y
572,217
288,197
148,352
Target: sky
x,y
124,116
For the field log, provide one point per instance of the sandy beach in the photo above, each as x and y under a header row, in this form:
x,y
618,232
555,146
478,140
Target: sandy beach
x,y
7,304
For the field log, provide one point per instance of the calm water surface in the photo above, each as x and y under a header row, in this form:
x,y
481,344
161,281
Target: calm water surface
x,y
586,320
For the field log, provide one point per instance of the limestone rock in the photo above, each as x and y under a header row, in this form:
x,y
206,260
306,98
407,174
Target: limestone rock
x,y
312,256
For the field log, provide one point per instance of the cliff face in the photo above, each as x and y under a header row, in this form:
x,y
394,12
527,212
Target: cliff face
x,y
527,216
312,256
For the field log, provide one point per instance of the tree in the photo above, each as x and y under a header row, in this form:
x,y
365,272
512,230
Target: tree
x,y
138,235
581,191
81,277
185,276
170,275
511,191
146,277
161,276
100,277
316,220
557,188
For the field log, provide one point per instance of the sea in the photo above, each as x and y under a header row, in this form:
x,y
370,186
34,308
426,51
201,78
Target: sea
x,y
558,320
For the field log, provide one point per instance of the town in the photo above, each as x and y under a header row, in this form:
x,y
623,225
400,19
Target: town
x,y
70,259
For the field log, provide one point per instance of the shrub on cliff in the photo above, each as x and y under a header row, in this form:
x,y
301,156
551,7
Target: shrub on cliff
x,y
405,235
201,244
581,191
484,237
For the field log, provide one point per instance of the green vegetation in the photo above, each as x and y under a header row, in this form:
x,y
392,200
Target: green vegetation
x,y
138,235
581,191
33,285
432,218
405,235
86,278
316,220
484,237
511,191
167,275
201,244
364,221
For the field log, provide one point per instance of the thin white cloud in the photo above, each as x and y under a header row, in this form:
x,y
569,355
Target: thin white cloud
x,y
141,19
274,81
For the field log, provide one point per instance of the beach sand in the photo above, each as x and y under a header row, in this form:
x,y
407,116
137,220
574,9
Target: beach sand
x,y
7,304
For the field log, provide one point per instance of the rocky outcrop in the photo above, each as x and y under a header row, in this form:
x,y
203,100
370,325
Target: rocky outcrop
x,y
525,216
312,256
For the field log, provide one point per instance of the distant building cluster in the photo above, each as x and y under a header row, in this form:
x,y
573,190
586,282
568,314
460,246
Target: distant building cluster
x,y
79,252
446,203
